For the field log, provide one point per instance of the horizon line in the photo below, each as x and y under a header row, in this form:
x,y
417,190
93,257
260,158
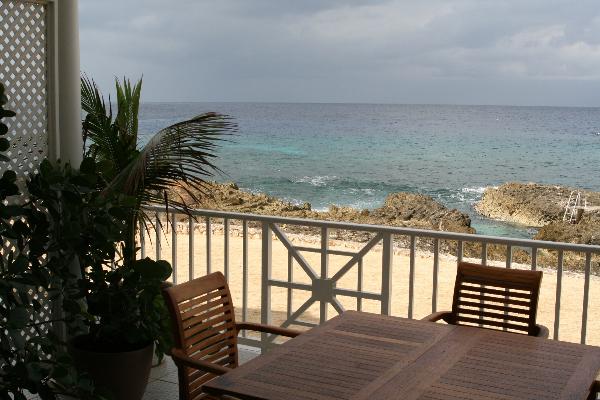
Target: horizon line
x,y
361,103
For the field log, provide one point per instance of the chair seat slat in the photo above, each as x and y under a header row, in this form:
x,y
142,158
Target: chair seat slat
x,y
493,315
498,307
499,292
494,299
498,324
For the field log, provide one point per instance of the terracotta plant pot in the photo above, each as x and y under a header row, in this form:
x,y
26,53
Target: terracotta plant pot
x,y
124,373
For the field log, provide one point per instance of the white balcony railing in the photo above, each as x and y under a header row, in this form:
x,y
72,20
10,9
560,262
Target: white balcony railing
x,y
269,262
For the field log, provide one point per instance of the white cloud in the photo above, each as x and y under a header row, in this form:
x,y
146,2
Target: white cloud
x,y
343,50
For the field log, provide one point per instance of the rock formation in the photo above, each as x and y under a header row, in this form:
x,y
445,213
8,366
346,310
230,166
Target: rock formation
x,y
529,204
587,231
400,209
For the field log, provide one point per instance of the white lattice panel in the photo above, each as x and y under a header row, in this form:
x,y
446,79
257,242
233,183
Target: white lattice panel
x,y
23,70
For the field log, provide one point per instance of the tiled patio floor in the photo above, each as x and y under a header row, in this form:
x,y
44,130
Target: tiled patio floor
x,y
163,378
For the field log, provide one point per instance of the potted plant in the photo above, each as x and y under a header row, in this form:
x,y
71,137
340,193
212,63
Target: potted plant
x,y
114,312
34,275
127,317
74,247
125,313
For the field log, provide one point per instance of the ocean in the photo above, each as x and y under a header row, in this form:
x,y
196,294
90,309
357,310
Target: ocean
x,y
356,154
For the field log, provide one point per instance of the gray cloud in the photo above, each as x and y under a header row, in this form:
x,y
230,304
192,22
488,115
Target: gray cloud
x,y
436,51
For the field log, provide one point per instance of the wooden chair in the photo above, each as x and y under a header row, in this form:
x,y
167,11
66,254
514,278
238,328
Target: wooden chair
x,y
495,298
595,388
205,332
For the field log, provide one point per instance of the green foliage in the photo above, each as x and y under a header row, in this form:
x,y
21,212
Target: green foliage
x,y
127,304
86,225
32,273
178,157
73,241
65,237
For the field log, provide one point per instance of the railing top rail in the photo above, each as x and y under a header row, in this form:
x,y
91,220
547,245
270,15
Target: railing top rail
x,y
538,244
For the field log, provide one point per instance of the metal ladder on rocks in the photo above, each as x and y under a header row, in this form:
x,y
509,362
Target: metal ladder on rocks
x,y
573,204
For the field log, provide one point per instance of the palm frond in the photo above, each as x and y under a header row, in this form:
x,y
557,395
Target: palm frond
x,y
97,125
180,156
128,106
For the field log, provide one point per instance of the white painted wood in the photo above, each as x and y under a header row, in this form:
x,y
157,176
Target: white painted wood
x,y
586,296
559,275
191,249
267,253
436,274
325,290
387,258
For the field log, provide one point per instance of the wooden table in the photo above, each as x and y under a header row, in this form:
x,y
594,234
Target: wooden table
x,y
368,356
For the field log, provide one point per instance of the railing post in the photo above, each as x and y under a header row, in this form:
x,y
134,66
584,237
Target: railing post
x,y
266,257
436,273
142,240
411,276
208,246
484,253
559,275
324,270
386,273
157,228
174,246
192,267
586,296
244,272
226,248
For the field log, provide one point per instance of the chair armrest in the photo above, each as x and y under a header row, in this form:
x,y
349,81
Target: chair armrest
x,y
267,329
595,388
436,316
543,332
179,357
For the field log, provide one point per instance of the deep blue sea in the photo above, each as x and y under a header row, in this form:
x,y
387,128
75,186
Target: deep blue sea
x,y
355,154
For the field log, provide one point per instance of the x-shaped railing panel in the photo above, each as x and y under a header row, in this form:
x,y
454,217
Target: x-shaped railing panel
x,y
323,287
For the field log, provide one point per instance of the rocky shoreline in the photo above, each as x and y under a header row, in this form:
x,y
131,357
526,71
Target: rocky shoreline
x,y
542,206
529,204
399,209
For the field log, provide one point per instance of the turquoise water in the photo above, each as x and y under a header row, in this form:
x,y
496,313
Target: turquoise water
x,y
355,154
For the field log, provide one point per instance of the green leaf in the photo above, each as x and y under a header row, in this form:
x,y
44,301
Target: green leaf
x,y
7,212
7,113
4,144
9,176
18,318
19,396
88,166
36,372
151,269
19,265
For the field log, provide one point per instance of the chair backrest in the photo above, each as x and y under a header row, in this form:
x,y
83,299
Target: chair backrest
x,y
496,298
203,322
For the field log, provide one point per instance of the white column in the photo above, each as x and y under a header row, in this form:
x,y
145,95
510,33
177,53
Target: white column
x,y
68,110
69,91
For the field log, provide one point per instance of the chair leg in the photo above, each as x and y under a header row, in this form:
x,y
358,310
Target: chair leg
x,y
594,391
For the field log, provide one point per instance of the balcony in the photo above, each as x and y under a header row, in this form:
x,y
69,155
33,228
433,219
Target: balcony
x,y
294,272
299,273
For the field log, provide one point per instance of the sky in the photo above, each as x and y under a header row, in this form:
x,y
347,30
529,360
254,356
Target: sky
x,y
509,52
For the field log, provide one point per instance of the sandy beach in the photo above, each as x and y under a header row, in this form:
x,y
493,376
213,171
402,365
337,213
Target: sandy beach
x,y
570,307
